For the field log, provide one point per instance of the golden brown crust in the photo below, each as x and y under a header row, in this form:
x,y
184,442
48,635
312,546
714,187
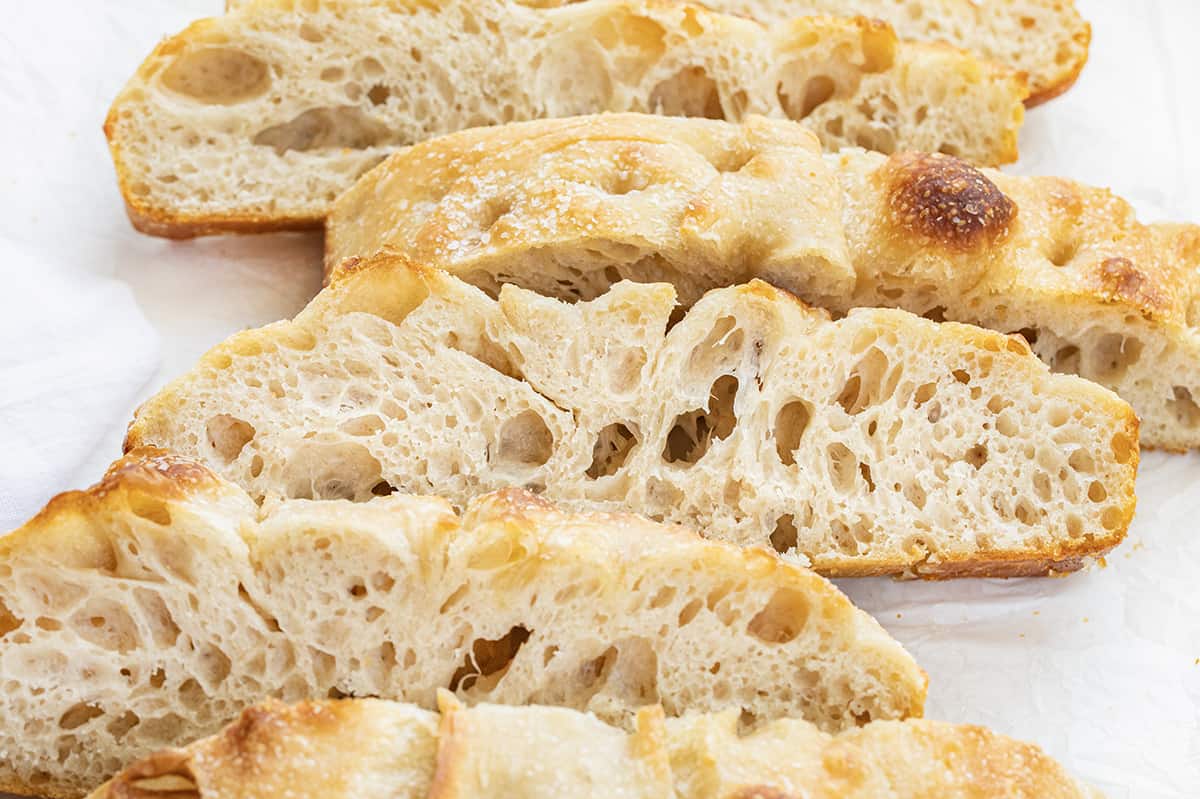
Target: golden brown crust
x,y
144,470
943,199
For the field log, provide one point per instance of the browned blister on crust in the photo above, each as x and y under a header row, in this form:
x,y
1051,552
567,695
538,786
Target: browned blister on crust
x,y
946,201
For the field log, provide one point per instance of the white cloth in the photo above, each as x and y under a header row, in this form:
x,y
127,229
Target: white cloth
x,y
76,350
1100,668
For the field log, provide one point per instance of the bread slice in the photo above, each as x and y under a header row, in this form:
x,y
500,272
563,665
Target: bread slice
x,y
154,607
258,119
881,443
364,747
1045,39
704,204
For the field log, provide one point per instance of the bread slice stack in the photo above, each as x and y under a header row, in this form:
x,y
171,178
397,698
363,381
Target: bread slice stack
x,y
419,494
154,607
258,119
350,749
566,207
880,443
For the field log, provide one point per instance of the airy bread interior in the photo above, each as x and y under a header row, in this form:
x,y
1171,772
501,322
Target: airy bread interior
x,y
258,119
156,606
879,443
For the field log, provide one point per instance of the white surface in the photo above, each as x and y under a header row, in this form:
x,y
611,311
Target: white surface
x,y
1102,669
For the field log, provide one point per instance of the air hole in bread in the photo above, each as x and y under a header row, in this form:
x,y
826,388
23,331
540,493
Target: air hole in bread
x,y
228,436
218,76
630,670
149,508
817,90
191,695
378,94
167,786
864,471
367,425
383,489
332,74
498,554
871,381
1182,406
1124,447
1030,334
334,127
733,160
878,48
688,612
915,494
936,314
1112,357
842,466
525,440
310,33
785,536
8,620
612,447
1066,360
924,394
782,619
1061,252
693,432
977,456
155,615
876,136
1082,462
488,661
106,624
690,92
269,621
790,424
212,665
331,470
122,724
720,349
627,30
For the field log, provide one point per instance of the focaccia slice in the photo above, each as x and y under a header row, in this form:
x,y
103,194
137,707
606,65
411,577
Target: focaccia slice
x,y
156,606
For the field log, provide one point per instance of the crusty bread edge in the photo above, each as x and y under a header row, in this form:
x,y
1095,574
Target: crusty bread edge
x,y
1068,77
1054,558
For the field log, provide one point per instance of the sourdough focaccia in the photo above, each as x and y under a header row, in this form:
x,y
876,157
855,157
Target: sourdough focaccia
x,y
154,607
258,119
363,748
567,207
881,443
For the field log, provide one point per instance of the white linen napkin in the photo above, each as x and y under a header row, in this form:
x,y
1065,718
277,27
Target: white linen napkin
x,y
75,352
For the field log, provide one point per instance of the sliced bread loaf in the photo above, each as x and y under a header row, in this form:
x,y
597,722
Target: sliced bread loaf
x,y
881,443
154,607
258,119
364,747
566,207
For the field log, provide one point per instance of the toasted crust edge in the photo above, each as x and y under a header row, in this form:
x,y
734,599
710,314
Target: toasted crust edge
x,y
1070,75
